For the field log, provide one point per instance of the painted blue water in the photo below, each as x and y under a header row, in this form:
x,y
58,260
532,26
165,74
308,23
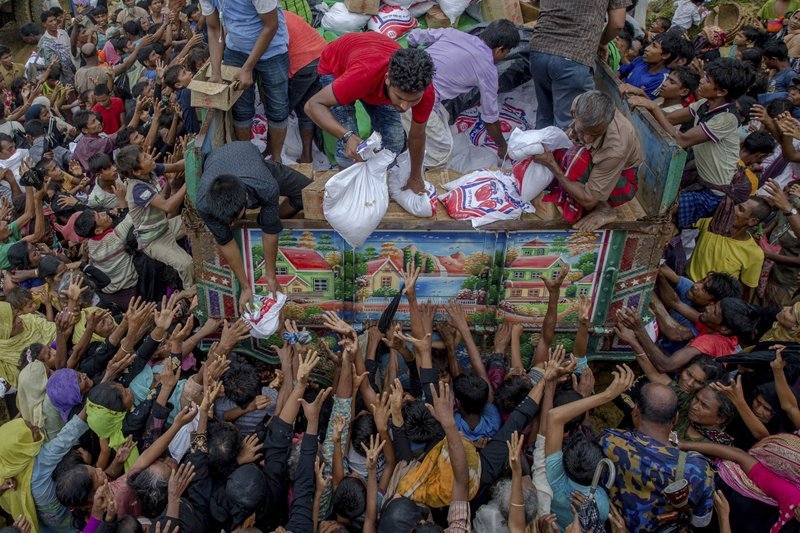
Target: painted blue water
x,y
436,286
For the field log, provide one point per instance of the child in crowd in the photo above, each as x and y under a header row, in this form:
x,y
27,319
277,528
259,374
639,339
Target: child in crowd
x,y
177,78
776,59
678,89
747,37
650,71
108,191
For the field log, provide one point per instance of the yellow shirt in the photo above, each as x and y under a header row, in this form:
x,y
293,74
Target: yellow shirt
x,y
715,253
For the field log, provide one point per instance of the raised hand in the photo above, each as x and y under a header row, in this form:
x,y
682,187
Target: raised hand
x,y
339,423
211,391
232,334
442,409
585,385
778,364
312,409
250,452
179,481
554,285
502,338
124,451
76,287
322,480
332,321
623,380
515,452
456,317
420,344
163,317
373,451
410,275
380,412
584,308
186,414
308,362
118,364
733,390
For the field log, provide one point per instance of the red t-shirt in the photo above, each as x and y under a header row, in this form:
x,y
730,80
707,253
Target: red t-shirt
x,y
305,43
359,62
111,114
713,344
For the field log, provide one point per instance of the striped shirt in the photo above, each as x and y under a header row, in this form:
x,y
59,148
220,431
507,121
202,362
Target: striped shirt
x,y
107,253
149,222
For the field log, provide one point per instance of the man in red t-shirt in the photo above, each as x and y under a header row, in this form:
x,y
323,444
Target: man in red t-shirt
x,y
111,110
388,80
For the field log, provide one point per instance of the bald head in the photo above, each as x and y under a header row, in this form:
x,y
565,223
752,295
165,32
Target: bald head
x,y
88,50
658,404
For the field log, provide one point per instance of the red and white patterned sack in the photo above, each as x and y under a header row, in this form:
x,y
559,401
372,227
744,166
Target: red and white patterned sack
x,y
392,21
484,196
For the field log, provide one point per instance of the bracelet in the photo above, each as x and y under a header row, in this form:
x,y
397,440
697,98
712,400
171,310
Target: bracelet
x,y
641,354
158,340
127,352
518,504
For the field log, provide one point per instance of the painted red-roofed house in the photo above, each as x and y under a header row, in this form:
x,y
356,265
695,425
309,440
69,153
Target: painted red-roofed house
x,y
524,277
385,273
533,248
584,285
300,270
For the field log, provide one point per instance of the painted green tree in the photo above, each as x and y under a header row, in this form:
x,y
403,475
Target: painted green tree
x,y
418,259
586,263
559,245
430,264
287,238
325,243
258,258
407,258
571,291
370,253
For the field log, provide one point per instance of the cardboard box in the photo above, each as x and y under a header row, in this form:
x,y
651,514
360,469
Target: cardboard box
x,y
501,9
214,95
530,13
366,7
435,18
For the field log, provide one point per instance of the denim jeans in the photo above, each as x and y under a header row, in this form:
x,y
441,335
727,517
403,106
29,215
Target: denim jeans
x,y
558,81
385,120
302,86
273,77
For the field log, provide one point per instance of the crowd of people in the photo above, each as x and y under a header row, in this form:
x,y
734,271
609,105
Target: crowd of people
x,y
118,416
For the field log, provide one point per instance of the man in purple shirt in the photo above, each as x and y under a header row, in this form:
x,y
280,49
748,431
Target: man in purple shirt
x,y
92,140
465,62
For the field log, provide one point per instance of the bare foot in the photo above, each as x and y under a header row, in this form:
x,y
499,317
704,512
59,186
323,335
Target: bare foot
x,y
596,219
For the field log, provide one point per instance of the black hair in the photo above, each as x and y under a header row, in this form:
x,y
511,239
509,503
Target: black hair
x,y
350,498
361,429
501,33
688,77
73,483
776,50
411,70
81,119
6,137
762,209
85,224
56,11
428,527
744,104
721,285
4,50
124,136
759,142
99,10
55,73
43,163
107,395
626,36
18,255
725,408
227,197
190,9
128,160
119,43
18,297
241,383
746,321
656,412
34,128
564,397
144,53
132,27
472,393
171,75
100,90
753,57
224,442
139,88
683,49
753,34
730,75
123,524
664,22
779,106
511,392
30,29
712,368
669,46
34,350
581,457
99,162
196,57
47,14
151,489
421,426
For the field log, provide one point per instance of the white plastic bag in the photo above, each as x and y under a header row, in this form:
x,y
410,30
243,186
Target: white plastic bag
x,y
339,20
392,21
418,9
484,196
399,3
265,317
357,197
453,8
531,177
524,144
419,205
438,137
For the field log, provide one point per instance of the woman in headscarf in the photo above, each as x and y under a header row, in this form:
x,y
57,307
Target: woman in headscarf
x,y
19,444
66,389
106,407
786,327
709,413
32,400
16,334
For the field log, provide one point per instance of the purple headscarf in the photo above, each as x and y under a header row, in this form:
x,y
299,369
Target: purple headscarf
x,y
64,391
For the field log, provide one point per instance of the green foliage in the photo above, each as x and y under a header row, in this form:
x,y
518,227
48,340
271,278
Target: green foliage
x,y
571,291
386,292
559,245
258,254
370,253
586,263
430,265
312,311
473,283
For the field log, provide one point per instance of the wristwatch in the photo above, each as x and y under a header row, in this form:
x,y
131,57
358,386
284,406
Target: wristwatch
x,y
346,136
791,213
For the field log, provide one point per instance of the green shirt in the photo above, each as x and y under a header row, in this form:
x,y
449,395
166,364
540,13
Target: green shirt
x,y
767,11
12,239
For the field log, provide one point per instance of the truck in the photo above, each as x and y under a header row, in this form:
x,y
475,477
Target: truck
x,y
495,273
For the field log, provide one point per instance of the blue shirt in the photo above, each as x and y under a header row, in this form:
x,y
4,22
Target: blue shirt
x,y
54,517
489,424
243,24
637,74
670,347
563,487
190,122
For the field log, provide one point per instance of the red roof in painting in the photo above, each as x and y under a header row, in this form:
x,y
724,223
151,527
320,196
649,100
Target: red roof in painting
x,y
587,279
303,259
283,280
538,261
376,264
535,243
